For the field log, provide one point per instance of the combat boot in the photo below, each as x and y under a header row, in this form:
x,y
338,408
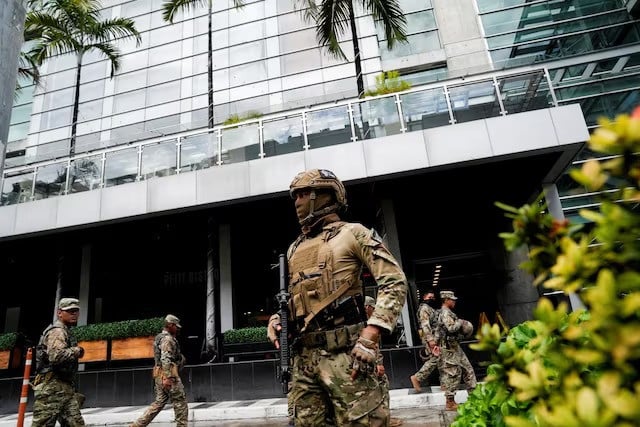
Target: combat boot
x,y
451,404
415,383
395,422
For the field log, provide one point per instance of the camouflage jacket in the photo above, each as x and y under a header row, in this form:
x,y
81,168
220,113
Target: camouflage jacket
x,y
425,313
56,352
448,328
167,353
337,253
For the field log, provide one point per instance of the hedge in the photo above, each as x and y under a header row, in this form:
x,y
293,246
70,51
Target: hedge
x,y
256,334
8,340
122,329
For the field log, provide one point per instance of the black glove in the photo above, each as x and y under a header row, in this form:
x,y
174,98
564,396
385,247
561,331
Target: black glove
x,y
79,351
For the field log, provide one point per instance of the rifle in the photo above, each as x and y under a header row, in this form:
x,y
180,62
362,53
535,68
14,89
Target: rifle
x,y
283,302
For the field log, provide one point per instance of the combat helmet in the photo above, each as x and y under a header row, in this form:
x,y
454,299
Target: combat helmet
x,y
315,179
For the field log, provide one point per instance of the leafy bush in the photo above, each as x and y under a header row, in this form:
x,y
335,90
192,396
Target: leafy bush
x,y
236,118
256,334
388,82
580,368
8,340
123,329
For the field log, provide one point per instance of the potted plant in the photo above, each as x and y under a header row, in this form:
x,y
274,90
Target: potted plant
x,y
7,345
127,339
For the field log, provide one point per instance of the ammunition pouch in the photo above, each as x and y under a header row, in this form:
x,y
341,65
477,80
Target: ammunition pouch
x,y
333,340
348,312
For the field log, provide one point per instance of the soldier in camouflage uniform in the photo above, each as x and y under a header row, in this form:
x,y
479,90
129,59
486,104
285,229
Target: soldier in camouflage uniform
x,y
168,385
454,362
334,365
432,352
56,379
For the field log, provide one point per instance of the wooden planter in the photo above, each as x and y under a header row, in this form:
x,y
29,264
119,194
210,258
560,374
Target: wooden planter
x,y
5,356
11,358
132,348
94,351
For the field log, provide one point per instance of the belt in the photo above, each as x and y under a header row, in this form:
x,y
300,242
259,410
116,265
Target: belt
x,y
334,339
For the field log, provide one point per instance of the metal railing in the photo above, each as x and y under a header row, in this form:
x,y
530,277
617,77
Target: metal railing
x,y
456,101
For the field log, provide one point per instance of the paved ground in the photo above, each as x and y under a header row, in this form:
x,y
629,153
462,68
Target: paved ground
x,y
424,409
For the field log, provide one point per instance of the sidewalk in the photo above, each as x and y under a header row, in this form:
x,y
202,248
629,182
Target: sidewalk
x,y
239,410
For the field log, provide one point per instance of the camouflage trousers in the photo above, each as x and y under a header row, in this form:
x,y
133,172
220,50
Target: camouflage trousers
x,y
178,398
322,390
55,400
455,366
430,363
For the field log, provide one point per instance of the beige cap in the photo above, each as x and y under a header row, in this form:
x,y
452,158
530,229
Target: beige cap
x,y
448,295
369,301
173,319
68,304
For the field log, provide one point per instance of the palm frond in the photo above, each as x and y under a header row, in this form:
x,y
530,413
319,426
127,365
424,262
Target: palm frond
x,y
111,52
111,29
308,9
390,14
332,20
170,8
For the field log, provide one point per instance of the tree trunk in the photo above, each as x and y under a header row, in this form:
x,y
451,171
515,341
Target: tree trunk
x,y
210,67
58,285
76,102
356,51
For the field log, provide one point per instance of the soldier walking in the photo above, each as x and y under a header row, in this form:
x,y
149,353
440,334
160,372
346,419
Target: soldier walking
x,y
56,379
426,315
334,362
455,363
168,385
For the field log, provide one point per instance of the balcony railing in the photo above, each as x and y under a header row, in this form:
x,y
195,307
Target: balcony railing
x,y
424,107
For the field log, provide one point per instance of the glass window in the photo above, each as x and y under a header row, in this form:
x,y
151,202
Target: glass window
x,y
245,74
250,12
425,109
416,43
292,22
88,142
18,131
164,73
416,23
409,6
133,61
121,167
128,101
20,114
524,93
55,118
240,143
58,99
166,34
200,84
474,101
60,80
284,6
50,180
246,33
90,110
299,62
163,93
283,135
247,52
158,159
299,40
135,8
376,118
131,81
198,152
17,188
165,53
92,91
328,127
92,72
200,44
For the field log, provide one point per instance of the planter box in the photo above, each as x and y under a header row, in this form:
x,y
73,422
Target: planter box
x,y
5,356
11,358
94,351
132,348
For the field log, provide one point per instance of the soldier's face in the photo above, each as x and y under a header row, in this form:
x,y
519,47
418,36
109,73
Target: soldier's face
x,y
302,203
69,317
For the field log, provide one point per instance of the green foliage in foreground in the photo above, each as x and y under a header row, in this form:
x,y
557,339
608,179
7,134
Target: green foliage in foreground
x,y
578,369
123,329
256,334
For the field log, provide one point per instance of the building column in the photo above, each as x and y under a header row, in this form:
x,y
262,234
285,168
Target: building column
x,y
212,320
226,290
393,244
555,209
85,276
518,297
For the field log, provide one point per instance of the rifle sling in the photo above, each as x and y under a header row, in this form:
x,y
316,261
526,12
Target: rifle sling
x,y
325,303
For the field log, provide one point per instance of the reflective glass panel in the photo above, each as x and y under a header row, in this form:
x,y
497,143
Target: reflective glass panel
x,y
17,188
121,167
425,109
85,174
198,152
328,127
240,143
524,93
50,180
376,118
158,159
474,101
283,135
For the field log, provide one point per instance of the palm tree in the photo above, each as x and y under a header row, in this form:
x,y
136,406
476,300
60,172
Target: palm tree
x,y
169,10
27,64
75,26
333,16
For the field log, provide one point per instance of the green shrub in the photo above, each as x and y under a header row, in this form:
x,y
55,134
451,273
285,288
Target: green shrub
x,y
580,368
256,334
388,82
122,329
236,118
8,340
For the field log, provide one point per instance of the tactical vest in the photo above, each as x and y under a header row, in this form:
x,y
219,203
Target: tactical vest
x,y
315,293
157,352
65,370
